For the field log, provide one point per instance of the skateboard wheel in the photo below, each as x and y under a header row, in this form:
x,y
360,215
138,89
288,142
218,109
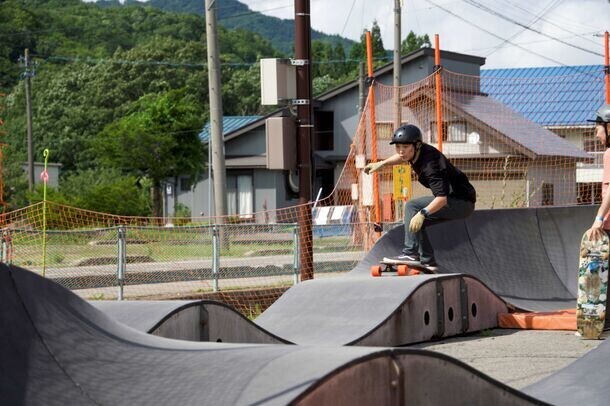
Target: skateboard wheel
x,y
403,270
413,272
376,270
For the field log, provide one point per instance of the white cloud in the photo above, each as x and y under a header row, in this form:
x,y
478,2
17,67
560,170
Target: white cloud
x,y
564,20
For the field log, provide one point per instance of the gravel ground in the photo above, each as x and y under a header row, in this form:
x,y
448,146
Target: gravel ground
x,y
516,357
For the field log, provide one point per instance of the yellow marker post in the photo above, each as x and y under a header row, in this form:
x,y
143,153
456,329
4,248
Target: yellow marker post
x,y
44,176
401,180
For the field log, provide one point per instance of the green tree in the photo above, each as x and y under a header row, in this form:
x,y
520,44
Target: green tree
x,y
413,42
241,95
158,139
358,51
107,190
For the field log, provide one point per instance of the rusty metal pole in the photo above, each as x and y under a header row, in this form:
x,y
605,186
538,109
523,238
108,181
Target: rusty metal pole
x,y
397,67
439,92
302,48
607,67
28,108
372,106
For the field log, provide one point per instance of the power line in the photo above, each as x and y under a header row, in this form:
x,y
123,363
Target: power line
x,y
493,34
511,20
252,13
537,41
574,23
546,20
348,16
18,33
537,17
172,64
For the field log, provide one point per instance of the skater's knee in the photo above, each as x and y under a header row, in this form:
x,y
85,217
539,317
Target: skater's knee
x,y
412,206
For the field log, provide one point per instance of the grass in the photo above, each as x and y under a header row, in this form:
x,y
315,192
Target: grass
x,y
487,333
253,313
96,296
69,249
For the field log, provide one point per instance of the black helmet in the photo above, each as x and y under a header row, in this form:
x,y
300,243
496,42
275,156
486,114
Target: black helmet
x,y
406,134
603,114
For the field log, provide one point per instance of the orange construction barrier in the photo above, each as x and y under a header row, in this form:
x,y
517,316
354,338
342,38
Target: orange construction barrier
x,y
559,320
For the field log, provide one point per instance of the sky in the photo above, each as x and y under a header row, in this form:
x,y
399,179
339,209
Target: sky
x,y
508,33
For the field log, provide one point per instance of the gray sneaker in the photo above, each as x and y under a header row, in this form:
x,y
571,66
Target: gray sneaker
x,y
431,266
402,258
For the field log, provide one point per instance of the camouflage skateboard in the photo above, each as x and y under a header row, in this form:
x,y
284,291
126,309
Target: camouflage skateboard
x,y
404,268
592,287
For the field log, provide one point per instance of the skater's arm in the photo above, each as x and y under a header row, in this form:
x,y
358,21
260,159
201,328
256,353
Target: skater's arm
x,y
375,166
596,230
436,204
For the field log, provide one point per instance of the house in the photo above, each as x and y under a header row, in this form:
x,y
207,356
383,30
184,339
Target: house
x,y
494,144
53,171
561,99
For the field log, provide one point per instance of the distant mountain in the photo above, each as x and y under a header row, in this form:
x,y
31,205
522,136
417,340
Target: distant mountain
x,y
232,14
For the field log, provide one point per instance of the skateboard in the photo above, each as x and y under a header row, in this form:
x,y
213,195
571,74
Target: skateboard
x,y
592,287
406,268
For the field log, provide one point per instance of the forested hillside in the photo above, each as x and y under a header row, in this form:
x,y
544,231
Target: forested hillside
x,y
120,94
232,14
99,69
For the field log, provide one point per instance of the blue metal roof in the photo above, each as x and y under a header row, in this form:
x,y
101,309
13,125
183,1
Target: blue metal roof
x,y
549,96
229,124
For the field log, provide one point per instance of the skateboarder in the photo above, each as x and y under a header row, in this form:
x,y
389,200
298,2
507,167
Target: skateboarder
x,y
602,222
453,195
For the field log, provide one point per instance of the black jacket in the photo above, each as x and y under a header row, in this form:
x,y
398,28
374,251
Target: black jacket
x,y
435,172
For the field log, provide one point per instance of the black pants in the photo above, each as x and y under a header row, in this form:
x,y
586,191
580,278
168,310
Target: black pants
x,y
418,243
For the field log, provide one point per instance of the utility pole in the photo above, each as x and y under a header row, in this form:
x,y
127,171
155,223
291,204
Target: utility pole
x,y
302,28
397,118
216,136
361,88
3,204
28,108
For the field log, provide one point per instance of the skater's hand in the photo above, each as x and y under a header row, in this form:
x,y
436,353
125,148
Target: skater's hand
x,y
596,231
373,167
416,222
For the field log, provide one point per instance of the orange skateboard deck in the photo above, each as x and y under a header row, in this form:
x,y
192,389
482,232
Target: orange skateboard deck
x,y
406,268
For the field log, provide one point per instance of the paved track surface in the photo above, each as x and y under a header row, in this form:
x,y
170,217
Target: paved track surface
x,y
56,349
584,382
55,346
529,257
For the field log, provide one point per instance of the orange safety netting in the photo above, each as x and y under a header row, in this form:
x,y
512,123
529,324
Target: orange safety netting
x,y
248,262
511,161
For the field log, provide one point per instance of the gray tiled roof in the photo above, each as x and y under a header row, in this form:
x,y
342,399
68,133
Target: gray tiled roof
x,y
531,136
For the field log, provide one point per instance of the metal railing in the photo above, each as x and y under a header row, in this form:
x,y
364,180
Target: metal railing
x,y
199,257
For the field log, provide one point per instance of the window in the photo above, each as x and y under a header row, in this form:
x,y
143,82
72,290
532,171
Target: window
x,y
324,134
547,194
453,131
591,143
589,193
185,185
385,130
240,195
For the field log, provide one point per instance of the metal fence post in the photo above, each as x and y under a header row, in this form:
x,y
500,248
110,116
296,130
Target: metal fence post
x,y
3,251
295,248
6,247
215,256
121,260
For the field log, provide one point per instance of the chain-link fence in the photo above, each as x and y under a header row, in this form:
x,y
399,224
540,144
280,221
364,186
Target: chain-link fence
x,y
133,260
